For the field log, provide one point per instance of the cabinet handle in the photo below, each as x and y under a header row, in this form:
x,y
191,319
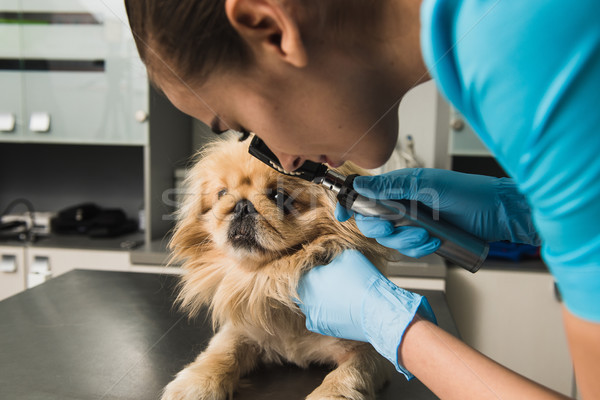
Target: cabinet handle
x,y
457,124
39,272
39,122
7,122
557,295
141,116
8,263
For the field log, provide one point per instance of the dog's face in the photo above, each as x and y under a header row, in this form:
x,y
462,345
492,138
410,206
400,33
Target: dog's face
x,y
246,233
248,210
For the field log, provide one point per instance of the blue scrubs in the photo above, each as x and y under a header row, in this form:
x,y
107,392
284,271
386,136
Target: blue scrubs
x,y
526,75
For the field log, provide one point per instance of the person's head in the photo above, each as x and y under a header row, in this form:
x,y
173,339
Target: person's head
x,y
317,79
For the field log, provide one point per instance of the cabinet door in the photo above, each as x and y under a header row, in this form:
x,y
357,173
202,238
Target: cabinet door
x,y
12,271
10,5
82,80
463,140
11,120
515,318
11,116
60,261
60,5
82,107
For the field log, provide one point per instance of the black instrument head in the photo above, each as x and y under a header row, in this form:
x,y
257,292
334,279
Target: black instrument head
x,y
309,171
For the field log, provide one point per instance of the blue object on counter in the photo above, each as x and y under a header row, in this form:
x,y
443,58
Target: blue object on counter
x,y
513,251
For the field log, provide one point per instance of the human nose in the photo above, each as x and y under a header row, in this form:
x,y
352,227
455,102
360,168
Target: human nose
x,y
290,162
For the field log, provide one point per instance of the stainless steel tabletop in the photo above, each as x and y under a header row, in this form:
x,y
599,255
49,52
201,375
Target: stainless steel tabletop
x,y
115,335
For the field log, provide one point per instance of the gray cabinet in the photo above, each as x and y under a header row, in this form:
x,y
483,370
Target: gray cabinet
x,y
12,270
512,314
463,140
70,74
10,80
11,122
26,266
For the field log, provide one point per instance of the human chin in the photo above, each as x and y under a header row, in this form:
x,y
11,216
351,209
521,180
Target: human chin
x,y
374,151
370,161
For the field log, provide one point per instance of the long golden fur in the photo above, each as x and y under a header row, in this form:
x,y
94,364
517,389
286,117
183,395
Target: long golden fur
x,y
245,235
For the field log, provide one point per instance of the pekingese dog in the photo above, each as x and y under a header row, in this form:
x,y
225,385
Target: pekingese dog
x,y
245,235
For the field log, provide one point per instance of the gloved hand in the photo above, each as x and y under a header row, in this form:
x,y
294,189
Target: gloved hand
x,y
350,299
490,208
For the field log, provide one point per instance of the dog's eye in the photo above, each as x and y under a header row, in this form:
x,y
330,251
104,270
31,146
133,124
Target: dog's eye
x,y
282,199
221,193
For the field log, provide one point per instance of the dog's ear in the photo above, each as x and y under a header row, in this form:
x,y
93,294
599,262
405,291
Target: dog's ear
x,y
189,236
189,239
203,199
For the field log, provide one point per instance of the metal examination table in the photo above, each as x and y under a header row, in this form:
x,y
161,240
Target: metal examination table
x,y
116,335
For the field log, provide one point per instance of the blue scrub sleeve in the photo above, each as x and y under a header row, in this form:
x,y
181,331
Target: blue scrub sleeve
x,y
526,75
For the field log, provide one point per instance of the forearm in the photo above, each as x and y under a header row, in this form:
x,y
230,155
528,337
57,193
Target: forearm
x,y
453,370
584,344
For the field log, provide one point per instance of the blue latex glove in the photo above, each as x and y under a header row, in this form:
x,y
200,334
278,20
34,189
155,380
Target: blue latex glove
x,y
350,299
490,208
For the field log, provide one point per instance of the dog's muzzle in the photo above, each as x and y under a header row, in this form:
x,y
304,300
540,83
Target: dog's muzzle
x,y
242,229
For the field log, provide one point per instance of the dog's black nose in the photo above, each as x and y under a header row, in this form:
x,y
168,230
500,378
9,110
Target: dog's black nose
x,y
244,207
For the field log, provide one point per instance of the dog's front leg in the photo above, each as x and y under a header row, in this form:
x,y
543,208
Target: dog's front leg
x,y
215,373
358,376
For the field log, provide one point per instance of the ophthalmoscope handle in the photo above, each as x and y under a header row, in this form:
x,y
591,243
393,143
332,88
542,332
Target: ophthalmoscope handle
x,y
457,245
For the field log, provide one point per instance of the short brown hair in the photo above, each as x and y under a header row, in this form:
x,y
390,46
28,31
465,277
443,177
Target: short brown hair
x,y
188,38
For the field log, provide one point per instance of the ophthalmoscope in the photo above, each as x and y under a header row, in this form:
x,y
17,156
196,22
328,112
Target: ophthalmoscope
x,y
457,246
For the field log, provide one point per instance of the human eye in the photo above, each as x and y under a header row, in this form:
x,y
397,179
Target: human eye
x,y
244,134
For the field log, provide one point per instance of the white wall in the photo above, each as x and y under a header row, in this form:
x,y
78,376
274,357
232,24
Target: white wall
x,y
424,115
417,117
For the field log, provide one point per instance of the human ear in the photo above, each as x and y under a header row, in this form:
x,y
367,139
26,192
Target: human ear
x,y
269,27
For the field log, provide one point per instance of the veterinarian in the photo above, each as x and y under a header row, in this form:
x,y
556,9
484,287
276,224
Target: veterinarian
x,y
322,80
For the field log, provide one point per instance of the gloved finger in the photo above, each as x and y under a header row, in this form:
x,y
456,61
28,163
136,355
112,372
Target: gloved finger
x,y
411,241
373,227
401,184
342,214
406,237
424,250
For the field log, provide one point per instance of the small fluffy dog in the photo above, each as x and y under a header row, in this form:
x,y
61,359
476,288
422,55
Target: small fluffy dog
x,y
245,235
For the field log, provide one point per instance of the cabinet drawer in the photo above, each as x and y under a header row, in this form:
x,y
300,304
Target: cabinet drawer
x,y
12,270
10,106
10,5
63,42
83,107
10,41
513,317
101,7
65,260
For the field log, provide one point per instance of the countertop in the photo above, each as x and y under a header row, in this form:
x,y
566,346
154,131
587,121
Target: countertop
x,y
115,335
153,253
431,266
120,243
156,253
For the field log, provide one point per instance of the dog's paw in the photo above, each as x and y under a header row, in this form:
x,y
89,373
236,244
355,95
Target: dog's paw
x,y
193,386
328,391
334,397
